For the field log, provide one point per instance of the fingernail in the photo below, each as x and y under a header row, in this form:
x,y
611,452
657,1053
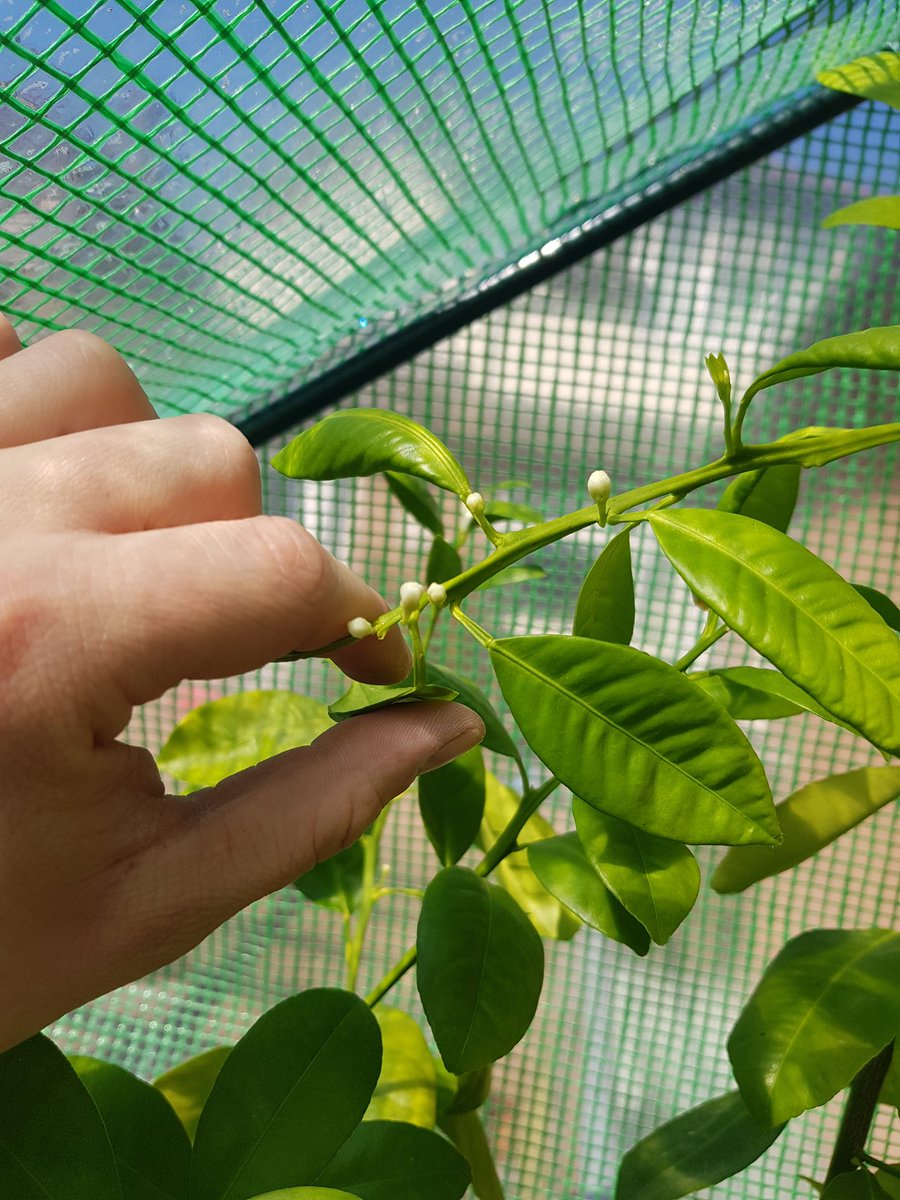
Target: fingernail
x,y
459,742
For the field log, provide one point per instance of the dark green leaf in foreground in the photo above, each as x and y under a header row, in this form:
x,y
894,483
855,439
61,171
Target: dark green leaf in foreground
x,y
389,1160
882,211
810,818
367,441
874,76
336,883
152,1150
451,801
758,693
48,1123
883,605
187,1086
605,608
632,737
826,1005
367,697
415,497
655,879
444,562
407,1086
287,1097
889,1183
495,736
768,495
236,732
876,349
306,1193
855,1185
466,1132
530,573
564,870
796,611
695,1150
480,969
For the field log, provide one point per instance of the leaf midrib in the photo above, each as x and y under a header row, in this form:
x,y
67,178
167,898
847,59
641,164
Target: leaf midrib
x,y
484,960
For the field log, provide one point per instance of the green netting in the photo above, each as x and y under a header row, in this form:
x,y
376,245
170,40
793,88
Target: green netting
x,y
241,196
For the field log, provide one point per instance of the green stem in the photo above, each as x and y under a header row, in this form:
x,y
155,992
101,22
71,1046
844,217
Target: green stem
x,y
707,638
355,932
420,670
858,1114
888,1168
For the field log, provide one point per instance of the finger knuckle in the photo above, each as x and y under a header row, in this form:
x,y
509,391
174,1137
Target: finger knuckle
x,y
226,446
300,561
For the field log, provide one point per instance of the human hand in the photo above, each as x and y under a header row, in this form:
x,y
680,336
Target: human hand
x,y
134,556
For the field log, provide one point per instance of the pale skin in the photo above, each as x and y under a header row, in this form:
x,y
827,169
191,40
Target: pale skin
x,y
134,555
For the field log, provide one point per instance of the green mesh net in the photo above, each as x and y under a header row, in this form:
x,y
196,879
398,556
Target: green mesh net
x,y
249,197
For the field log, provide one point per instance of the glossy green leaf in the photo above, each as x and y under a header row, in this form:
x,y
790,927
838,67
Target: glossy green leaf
x,y
415,497
367,697
151,1148
511,510
855,1185
632,737
480,969
239,731
444,562
796,611
336,883
495,736
187,1086
563,868
655,879
695,1150
306,1193
889,1184
890,1089
388,1160
875,349
466,1132
407,1086
530,573
810,819
605,608
367,441
451,801
883,211
758,693
874,76
826,1005
48,1123
883,605
287,1097
549,917
768,495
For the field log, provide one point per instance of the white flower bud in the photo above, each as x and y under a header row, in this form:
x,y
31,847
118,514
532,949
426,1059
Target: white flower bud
x,y
411,594
359,627
437,594
599,486
475,503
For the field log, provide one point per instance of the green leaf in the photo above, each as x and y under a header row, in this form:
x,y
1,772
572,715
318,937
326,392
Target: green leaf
x,y
810,819
451,801
444,562
854,1185
471,1090
367,697
695,1150
480,969
367,441
336,883
758,693
549,917
826,1005
511,510
883,605
306,1193
889,1184
655,879
388,1160
875,349
512,575
152,1150
883,211
563,868
48,1124
890,1089
678,767
495,736
466,1132
796,611
287,1097
874,76
228,735
187,1086
407,1086
605,608
415,497
768,495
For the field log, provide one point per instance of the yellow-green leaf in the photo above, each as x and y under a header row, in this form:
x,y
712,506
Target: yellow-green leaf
x,y
605,608
883,211
187,1086
407,1086
874,76
768,495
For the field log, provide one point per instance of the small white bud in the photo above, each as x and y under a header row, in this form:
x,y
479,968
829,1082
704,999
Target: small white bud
x,y
411,594
359,627
437,594
475,503
599,486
